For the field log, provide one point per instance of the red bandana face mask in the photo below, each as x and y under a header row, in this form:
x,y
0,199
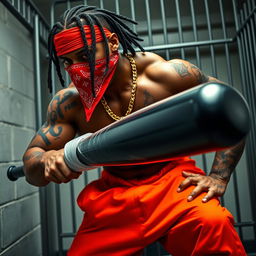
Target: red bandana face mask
x,y
80,76
70,40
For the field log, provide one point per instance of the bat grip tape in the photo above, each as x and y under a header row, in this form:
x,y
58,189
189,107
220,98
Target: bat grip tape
x,y
70,155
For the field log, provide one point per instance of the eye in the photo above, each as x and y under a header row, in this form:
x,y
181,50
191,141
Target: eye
x,y
66,62
84,58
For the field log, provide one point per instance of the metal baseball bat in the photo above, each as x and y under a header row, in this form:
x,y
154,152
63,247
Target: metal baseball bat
x,y
206,118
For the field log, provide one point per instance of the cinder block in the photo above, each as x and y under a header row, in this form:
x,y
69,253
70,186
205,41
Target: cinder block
x,y
21,138
7,187
30,244
23,188
16,108
29,113
3,69
3,13
14,44
19,218
16,76
5,142
29,83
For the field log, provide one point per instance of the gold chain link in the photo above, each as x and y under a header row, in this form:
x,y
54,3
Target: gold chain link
x,y
133,93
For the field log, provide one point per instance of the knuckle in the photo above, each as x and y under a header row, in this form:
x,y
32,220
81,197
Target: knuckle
x,y
59,160
52,168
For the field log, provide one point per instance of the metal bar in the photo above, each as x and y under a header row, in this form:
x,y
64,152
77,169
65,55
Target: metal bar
x,y
253,28
249,155
150,37
67,79
246,20
27,22
214,71
117,6
252,91
248,92
187,44
59,219
249,84
18,5
68,4
133,14
29,14
179,27
73,206
38,99
37,72
24,9
230,81
251,34
67,234
52,71
85,2
198,60
245,224
251,73
85,178
101,4
164,28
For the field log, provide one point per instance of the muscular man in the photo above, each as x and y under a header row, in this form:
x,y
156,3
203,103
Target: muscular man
x,y
129,207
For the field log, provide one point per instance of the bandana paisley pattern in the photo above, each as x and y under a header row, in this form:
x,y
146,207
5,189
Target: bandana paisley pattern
x,y
80,76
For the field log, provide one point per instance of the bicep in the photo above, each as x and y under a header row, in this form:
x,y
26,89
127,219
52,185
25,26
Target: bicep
x,y
59,127
53,136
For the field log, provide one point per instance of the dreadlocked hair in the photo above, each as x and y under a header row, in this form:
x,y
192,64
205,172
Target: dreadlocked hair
x,y
91,15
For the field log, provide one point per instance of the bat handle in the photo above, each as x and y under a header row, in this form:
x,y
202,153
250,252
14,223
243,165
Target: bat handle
x,y
13,172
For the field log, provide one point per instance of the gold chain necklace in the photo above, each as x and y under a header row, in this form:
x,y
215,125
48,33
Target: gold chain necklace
x,y
133,93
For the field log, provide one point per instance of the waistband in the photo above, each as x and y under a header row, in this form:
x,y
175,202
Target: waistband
x,y
113,180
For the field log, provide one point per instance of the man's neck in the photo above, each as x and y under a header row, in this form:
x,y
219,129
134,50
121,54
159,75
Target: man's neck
x,y
121,80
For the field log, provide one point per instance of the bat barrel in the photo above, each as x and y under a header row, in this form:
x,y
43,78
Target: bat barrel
x,y
206,118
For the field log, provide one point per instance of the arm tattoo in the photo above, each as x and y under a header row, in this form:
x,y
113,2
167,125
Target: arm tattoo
x,y
55,113
148,98
225,161
70,106
181,69
35,154
201,77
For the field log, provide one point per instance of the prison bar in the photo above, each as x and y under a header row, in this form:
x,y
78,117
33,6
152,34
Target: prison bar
x,y
246,87
180,27
149,25
27,17
167,54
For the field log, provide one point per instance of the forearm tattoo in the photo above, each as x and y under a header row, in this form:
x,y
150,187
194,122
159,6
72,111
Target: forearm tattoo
x,y
225,161
55,113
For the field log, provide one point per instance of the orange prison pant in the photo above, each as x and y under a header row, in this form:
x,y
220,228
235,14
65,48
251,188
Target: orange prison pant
x,y
121,217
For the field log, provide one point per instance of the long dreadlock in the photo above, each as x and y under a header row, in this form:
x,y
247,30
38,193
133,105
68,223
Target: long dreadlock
x,y
91,15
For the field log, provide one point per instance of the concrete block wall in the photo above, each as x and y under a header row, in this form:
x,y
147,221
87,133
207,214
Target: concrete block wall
x,y
20,230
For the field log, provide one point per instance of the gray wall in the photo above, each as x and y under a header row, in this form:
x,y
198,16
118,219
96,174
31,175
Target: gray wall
x,y
20,231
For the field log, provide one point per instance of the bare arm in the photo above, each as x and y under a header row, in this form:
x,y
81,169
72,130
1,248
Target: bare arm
x,y
43,159
187,75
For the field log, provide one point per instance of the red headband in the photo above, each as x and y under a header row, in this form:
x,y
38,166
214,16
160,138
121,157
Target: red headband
x,y
70,39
